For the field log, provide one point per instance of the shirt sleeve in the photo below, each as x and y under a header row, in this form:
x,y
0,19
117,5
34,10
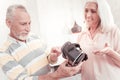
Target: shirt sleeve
x,y
13,69
116,39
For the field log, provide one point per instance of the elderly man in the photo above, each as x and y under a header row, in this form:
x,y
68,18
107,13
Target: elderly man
x,y
23,56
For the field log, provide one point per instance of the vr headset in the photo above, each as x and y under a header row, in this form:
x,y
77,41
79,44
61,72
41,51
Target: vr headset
x,y
73,53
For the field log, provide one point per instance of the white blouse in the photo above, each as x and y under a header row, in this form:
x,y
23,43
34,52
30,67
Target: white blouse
x,y
100,67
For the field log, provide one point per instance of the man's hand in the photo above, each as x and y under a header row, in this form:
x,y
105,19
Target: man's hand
x,y
53,56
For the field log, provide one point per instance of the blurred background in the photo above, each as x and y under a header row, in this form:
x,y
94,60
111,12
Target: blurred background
x,y
52,20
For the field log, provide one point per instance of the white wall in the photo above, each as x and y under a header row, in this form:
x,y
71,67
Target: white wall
x,y
115,7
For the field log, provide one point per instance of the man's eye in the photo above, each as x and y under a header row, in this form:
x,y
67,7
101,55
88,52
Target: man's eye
x,y
29,23
86,10
93,11
23,23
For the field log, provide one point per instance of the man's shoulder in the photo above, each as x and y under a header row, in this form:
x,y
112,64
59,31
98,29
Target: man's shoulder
x,y
34,37
5,46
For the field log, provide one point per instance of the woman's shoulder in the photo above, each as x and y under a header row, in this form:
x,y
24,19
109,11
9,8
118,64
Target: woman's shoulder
x,y
114,28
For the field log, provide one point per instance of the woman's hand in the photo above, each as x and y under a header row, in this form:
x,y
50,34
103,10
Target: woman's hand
x,y
106,50
62,72
66,71
115,56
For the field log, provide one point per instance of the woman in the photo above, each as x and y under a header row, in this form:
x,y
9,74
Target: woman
x,y
101,41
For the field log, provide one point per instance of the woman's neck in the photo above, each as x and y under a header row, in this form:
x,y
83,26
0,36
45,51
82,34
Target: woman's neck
x,y
93,30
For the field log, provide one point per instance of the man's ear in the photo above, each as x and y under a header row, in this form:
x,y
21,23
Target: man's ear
x,y
8,23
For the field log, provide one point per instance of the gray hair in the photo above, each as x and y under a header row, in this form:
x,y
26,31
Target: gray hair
x,y
12,8
104,12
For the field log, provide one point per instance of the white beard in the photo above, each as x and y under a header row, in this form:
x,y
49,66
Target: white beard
x,y
22,37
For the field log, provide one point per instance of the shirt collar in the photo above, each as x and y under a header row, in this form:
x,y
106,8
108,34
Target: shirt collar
x,y
99,29
13,40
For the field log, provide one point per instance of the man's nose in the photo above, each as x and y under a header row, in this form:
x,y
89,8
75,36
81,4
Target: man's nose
x,y
27,28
